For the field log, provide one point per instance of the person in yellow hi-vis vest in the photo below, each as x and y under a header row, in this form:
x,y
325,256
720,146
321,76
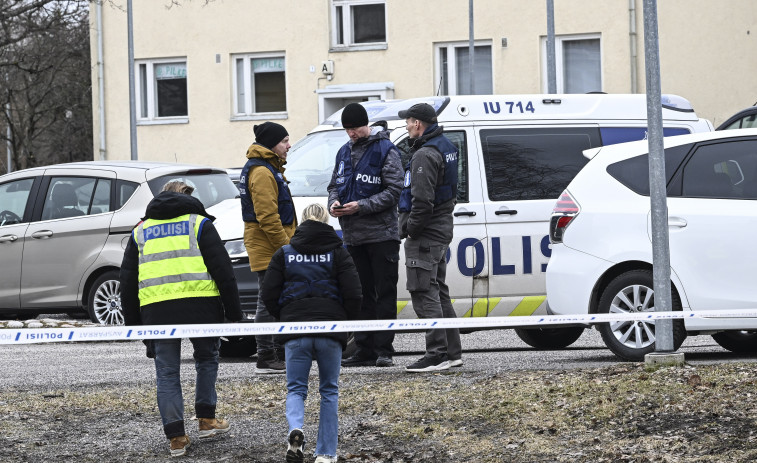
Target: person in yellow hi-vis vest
x,y
177,271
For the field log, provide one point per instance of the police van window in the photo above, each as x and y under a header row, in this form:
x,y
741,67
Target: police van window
x,y
634,172
458,139
310,162
14,197
534,163
124,190
721,171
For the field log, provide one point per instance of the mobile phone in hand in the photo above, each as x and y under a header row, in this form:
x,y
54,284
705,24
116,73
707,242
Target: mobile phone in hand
x,y
341,206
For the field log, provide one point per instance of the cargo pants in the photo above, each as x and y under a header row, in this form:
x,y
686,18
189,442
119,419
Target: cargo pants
x,y
426,266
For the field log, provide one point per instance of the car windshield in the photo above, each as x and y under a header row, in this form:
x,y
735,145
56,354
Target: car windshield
x,y
210,189
310,162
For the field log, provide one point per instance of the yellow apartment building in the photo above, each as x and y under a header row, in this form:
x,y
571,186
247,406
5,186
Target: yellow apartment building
x,y
205,72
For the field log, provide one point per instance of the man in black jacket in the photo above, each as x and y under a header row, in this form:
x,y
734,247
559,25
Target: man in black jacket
x,y
177,271
313,279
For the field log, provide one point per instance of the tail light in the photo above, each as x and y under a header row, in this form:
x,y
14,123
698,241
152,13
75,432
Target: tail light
x,y
563,214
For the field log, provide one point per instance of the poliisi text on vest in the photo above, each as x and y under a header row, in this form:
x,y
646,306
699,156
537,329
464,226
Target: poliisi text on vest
x,y
308,258
372,179
166,229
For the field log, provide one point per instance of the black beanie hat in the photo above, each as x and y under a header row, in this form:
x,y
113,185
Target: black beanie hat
x,y
269,134
353,116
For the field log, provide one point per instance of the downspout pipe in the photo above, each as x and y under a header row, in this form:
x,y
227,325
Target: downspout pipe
x,y
632,37
100,78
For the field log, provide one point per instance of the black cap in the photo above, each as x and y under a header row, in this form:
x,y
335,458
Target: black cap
x,y
421,111
354,115
269,134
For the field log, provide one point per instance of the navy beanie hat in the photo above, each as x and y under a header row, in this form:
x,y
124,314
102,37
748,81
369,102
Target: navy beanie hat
x,y
354,116
269,134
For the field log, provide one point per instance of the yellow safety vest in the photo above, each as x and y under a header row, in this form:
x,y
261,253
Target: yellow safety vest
x,y
170,262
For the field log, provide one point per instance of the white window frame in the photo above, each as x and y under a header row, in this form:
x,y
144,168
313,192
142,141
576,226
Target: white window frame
x,y
559,39
452,63
368,91
152,117
348,33
249,115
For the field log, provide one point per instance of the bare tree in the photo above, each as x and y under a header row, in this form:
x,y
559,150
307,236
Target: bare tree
x,y
45,74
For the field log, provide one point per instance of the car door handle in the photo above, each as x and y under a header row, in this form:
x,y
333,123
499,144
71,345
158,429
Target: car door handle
x,y
8,238
42,234
468,213
677,222
505,212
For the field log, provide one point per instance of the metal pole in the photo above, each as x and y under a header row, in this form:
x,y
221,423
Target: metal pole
x,y
8,131
657,193
132,99
551,68
471,49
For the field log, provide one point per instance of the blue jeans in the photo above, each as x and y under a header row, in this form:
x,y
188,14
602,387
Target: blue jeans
x,y
167,371
300,354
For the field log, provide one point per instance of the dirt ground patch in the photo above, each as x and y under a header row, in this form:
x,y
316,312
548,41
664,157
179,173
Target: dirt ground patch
x,y
616,414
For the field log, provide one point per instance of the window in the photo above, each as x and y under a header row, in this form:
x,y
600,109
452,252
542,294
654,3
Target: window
x,y
124,190
537,163
260,84
161,91
457,139
75,197
210,188
453,65
578,64
358,24
721,171
634,172
13,199
746,122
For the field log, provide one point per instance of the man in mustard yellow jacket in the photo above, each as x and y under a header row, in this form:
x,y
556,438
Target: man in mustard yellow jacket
x,y
270,220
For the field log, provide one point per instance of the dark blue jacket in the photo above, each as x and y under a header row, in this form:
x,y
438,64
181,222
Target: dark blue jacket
x,y
447,189
308,275
284,200
313,238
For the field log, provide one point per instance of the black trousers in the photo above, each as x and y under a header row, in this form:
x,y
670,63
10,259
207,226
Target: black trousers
x,y
377,265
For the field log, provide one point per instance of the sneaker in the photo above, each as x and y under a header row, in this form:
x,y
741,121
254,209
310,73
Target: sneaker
x,y
269,364
325,459
179,446
210,427
456,363
294,450
429,364
384,361
357,361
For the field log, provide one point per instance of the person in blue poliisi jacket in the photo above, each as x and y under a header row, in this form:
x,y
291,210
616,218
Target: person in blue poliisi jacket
x,y
313,279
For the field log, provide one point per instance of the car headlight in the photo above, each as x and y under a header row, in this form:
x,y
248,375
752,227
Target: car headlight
x,y
236,249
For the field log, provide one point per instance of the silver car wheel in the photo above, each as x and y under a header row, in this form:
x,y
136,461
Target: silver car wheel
x,y
106,303
633,299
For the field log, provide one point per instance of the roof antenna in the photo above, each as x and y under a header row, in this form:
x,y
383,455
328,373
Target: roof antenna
x,y
438,90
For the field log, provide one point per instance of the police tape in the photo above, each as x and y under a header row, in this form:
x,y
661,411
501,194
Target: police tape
x,y
125,333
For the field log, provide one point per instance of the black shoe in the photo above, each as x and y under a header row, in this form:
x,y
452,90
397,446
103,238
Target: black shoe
x,y
357,361
384,361
429,364
294,451
268,363
149,348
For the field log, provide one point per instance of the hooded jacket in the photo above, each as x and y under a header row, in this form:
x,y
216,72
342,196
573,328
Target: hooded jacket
x,y
314,237
264,237
168,205
425,219
376,220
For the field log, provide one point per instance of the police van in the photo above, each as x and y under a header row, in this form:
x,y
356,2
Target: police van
x,y
517,154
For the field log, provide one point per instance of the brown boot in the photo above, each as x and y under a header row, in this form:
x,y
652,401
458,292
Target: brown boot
x,y
179,446
210,427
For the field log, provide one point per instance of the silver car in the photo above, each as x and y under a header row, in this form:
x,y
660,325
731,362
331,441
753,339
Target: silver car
x,y
64,228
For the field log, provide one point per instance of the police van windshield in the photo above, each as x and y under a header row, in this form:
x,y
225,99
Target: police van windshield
x,y
310,162
210,189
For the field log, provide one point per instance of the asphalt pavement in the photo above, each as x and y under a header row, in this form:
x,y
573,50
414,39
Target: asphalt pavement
x,y
60,365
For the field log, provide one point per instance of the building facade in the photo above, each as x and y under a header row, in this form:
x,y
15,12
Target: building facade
x,y
205,72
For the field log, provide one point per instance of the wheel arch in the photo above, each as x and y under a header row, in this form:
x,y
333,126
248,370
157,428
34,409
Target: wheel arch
x,y
91,280
619,269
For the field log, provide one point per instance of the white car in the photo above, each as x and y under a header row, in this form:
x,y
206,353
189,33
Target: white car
x,y
602,249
